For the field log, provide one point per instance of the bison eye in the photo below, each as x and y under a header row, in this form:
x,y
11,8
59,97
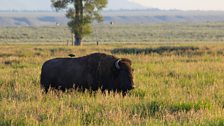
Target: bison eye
x,y
132,70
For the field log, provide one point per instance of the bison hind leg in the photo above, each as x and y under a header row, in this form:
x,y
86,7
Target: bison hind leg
x,y
45,85
45,88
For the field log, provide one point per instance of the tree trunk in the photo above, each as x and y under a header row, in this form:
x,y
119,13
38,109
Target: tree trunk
x,y
79,19
77,40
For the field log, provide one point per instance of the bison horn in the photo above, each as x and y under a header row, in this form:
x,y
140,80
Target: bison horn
x,y
117,64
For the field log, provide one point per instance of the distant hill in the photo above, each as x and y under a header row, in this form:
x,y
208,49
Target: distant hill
x,y
122,4
44,18
29,18
163,16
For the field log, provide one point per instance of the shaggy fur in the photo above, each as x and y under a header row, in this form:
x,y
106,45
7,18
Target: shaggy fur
x,y
91,72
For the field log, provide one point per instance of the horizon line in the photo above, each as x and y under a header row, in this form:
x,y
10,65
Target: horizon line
x,y
137,9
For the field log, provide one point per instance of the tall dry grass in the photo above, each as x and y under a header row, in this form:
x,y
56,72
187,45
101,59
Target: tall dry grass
x,y
171,89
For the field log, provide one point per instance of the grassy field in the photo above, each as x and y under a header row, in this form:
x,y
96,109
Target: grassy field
x,y
164,32
176,84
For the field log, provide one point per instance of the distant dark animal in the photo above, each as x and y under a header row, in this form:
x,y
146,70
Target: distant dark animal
x,y
91,72
71,55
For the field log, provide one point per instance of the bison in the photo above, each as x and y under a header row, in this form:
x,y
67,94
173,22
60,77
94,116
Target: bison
x,y
91,72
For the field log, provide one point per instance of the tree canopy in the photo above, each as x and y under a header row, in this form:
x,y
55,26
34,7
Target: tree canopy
x,y
81,14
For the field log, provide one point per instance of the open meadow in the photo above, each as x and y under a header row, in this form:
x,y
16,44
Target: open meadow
x,y
178,74
176,84
118,33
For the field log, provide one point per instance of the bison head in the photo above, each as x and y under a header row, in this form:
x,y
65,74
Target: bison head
x,y
124,75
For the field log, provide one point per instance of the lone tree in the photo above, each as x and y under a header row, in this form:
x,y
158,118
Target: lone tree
x,y
81,14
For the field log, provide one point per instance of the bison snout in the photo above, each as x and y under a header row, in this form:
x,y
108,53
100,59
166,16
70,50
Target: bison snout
x,y
131,88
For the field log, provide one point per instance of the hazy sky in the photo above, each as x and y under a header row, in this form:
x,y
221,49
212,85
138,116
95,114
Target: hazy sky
x,y
25,4
126,4
183,4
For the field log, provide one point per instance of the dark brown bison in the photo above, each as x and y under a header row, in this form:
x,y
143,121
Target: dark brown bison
x,y
91,72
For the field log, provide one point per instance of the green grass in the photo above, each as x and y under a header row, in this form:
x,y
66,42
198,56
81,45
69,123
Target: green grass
x,y
164,32
171,89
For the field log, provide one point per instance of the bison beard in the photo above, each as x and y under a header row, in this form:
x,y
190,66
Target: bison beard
x,y
91,72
